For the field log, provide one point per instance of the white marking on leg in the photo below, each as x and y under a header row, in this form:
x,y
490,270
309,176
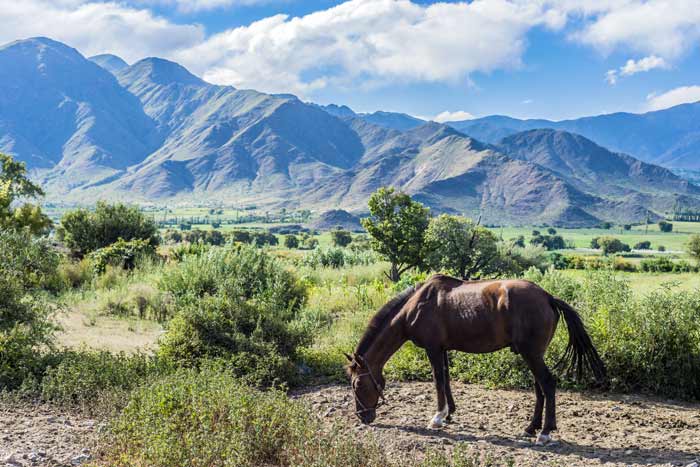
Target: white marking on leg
x,y
543,439
438,420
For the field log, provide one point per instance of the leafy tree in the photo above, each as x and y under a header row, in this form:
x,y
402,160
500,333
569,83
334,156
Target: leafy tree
x,y
536,233
242,236
693,247
552,231
665,226
606,225
460,247
627,226
291,241
595,243
661,248
645,245
611,245
550,242
15,185
519,241
84,231
341,237
397,226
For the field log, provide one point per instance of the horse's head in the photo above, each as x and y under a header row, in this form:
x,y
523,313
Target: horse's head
x,y
367,388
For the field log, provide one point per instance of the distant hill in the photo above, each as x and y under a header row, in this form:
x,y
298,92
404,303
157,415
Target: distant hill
x,y
669,137
110,62
337,218
154,132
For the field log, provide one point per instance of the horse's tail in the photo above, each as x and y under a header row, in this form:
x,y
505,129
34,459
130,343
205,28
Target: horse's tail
x,y
580,351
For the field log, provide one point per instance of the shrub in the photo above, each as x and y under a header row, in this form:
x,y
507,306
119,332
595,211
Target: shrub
x,y
665,226
550,242
207,418
611,245
264,238
645,245
621,264
84,231
657,264
291,241
341,238
95,379
27,265
179,252
338,258
121,254
661,248
75,274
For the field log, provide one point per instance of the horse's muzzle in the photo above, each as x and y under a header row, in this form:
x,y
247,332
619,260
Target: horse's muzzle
x,y
367,417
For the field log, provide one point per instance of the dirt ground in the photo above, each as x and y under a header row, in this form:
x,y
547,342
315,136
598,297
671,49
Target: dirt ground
x,y
39,435
594,429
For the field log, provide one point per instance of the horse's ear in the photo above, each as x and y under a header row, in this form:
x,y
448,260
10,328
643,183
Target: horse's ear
x,y
350,359
361,361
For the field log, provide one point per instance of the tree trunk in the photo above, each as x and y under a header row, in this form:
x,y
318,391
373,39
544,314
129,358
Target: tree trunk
x,y
394,274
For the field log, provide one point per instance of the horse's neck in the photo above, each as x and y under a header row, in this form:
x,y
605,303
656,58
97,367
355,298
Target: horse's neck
x,y
387,343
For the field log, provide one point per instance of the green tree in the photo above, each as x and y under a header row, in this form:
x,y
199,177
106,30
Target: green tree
x,y
84,231
341,238
612,245
665,226
552,231
291,241
397,226
693,247
15,185
458,246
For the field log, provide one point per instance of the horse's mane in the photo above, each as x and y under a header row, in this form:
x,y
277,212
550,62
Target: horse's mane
x,y
383,317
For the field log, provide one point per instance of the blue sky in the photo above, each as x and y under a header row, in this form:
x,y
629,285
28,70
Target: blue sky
x,y
526,58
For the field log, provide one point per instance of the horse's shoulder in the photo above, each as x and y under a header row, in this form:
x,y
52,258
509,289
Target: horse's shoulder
x,y
443,280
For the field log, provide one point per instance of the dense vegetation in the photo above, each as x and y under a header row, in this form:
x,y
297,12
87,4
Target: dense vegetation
x,y
245,321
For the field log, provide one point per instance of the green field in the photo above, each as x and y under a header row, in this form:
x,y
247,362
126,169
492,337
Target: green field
x,y
581,238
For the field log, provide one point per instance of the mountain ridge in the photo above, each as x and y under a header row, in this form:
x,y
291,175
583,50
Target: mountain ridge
x,y
154,132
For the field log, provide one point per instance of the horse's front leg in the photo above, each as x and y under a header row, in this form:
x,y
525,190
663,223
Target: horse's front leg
x,y
437,362
448,389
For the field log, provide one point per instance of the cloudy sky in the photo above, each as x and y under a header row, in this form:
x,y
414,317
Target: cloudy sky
x,y
442,60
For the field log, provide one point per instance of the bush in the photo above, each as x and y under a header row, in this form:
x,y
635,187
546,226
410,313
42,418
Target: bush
x,y
121,254
645,245
239,272
84,231
550,242
665,226
611,245
338,258
291,241
657,264
94,380
207,418
27,265
238,304
341,238
74,274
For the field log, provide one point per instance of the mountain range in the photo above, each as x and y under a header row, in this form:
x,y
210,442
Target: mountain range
x,y
153,132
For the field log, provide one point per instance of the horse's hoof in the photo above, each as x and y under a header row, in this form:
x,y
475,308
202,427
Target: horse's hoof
x,y
527,434
436,424
543,440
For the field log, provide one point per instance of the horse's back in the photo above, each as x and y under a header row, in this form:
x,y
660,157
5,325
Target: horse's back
x,y
482,316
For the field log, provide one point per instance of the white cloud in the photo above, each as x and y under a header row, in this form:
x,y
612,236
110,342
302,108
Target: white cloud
x,y
527,102
666,28
192,6
643,64
453,116
96,27
368,40
359,43
681,95
632,67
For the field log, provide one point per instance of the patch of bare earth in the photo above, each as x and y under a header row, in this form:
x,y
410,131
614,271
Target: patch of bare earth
x,y
594,429
41,435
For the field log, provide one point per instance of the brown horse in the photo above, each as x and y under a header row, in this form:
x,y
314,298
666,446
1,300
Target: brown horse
x,y
446,314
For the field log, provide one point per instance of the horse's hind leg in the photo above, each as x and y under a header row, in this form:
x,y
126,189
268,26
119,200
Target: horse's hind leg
x,y
547,383
438,364
448,389
536,422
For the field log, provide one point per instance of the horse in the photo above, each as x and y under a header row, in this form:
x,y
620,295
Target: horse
x,y
444,314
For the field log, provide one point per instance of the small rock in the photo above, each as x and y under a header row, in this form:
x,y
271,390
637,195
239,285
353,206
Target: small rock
x,y
616,408
77,460
629,452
